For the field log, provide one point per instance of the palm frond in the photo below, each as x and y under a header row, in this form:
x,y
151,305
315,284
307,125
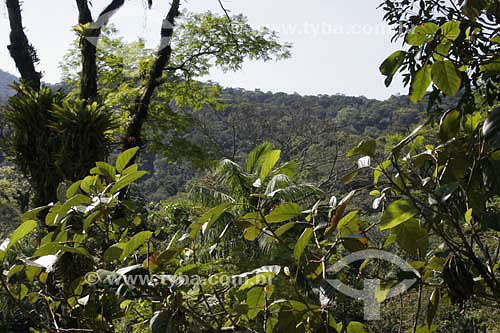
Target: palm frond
x,y
255,157
305,193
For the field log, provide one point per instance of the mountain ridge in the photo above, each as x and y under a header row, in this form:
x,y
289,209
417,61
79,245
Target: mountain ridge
x,y
6,80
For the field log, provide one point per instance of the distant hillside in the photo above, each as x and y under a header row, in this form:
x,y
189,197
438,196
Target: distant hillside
x,y
6,79
316,131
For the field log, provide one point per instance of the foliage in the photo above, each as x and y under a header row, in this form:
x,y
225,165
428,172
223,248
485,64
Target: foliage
x,y
14,198
439,186
201,42
453,45
88,236
54,139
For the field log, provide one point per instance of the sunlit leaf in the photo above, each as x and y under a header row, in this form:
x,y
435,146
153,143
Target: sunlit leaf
x,y
302,243
396,213
125,158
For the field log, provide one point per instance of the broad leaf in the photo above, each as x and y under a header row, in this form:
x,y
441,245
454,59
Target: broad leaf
x,y
270,160
451,30
256,155
446,77
251,233
412,237
302,243
450,125
135,242
125,158
259,279
365,147
284,212
20,232
422,34
391,65
256,301
420,83
127,180
355,327
208,219
471,121
396,213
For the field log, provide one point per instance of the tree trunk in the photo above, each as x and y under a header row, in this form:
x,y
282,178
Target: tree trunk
x,y
88,80
20,49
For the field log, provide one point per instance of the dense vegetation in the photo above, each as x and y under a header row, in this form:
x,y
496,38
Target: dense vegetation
x,y
252,199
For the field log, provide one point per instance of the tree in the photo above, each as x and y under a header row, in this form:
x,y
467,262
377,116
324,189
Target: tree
x,y
167,76
440,186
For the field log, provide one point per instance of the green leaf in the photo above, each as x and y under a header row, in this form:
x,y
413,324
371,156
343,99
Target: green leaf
x,y
20,232
284,212
333,323
391,65
302,243
471,121
284,228
32,272
135,242
451,30
255,156
256,301
168,255
271,158
421,81
345,221
468,216
355,327
412,237
106,170
127,180
125,158
251,233
32,214
396,213
88,183
259,279
76,200
422,34
446,77
449,125
382,291
71,191
113,252
365,148
53,248
209,218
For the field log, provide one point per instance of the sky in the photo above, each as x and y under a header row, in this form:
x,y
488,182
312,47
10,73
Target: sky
x,y
337,45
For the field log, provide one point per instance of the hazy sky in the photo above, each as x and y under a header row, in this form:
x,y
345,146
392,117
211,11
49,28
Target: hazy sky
x,y
337,45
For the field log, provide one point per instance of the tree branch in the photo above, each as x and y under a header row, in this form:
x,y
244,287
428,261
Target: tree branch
x,y
140,112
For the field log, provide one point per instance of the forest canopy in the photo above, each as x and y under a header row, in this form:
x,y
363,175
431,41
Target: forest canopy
x,y
137,198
